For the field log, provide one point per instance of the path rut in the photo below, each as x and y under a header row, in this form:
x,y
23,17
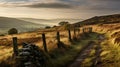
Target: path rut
x,y
83,54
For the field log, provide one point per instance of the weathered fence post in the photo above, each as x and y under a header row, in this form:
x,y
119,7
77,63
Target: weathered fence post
x,y
69,35
58,39
44,42
78,31
15,46
74,32
90,29
87,30
83,30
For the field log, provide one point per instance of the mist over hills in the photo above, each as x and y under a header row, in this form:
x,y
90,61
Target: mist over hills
x,y
29,24
22,26
50,22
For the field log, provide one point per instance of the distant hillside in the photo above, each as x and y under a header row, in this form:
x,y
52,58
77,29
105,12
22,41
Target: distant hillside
x,y
50,22
22,26
102,19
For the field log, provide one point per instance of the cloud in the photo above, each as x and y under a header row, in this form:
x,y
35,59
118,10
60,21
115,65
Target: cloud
x,y
106,0
97,5
35,3
28,1
48,5
108,5
68,8
15,0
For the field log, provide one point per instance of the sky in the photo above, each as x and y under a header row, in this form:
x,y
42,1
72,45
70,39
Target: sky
x,y
54,9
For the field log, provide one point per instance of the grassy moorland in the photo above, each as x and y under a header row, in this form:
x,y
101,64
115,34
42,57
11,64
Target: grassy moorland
x,y
110,46
108,26
70,51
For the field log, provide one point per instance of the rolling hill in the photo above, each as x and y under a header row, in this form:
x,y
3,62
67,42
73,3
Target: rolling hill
x,y
22,26
107,19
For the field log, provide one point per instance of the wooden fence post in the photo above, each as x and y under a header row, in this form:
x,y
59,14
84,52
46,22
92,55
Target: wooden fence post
x,y
69,35
87,30
78,31
58,39
74,32
90,29
44,42
83,30
15,46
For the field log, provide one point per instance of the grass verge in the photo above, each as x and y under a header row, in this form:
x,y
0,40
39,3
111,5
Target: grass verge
x,y
64,57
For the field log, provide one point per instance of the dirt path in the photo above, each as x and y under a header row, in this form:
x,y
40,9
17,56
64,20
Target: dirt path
x,y
85,53
97,59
